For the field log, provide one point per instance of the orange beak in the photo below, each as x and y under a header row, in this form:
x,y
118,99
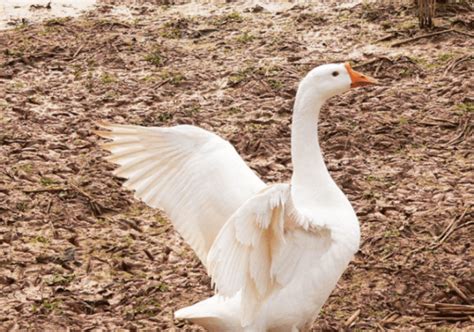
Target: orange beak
x,y
359,79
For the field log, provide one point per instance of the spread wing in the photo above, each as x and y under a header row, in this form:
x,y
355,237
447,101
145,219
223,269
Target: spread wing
x,y
195,176
263,247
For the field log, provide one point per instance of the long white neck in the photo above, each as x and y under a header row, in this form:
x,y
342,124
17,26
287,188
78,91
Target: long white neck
x,y
312,185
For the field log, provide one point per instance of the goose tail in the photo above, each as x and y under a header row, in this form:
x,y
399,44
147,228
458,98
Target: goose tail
x,y
214,314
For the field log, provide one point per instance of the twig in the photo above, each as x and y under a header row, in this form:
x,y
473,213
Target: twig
x,y
148,254
380,327
48,208
96,207
450,319
88,265
443,233
131,225
390,254
372,62
406,41
156,86
289,71
449,230
463,33
40,39
448,311
460,135
453,123
43,190
387,37
390,318
377,69
469,223
452,227
440,306
78,50
456,62
351,319
455,288
101,260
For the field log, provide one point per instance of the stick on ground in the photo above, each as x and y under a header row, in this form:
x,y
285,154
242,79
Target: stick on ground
x,y
409,40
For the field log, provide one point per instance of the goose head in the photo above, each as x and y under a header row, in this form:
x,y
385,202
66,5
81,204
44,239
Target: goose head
x,y
326,81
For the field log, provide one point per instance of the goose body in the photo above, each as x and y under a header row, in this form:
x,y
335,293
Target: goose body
x,y
274,252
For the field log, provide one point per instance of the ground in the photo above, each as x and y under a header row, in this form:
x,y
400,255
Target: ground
x,y
78,251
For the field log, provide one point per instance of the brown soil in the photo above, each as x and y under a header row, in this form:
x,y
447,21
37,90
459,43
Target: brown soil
x,y
77,251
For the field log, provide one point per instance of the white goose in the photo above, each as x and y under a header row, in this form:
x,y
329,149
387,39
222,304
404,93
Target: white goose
x,y
275,252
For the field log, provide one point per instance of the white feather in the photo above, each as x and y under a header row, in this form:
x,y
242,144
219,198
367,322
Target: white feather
x,y
178,169
274,252
261,250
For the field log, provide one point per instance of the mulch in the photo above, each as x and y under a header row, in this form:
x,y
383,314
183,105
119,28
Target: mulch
x,y
78,252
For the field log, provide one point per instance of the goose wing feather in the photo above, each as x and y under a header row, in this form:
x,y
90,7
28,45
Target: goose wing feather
x,y
195,176
263,247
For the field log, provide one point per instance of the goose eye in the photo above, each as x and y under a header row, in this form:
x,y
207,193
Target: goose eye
x,y
335,73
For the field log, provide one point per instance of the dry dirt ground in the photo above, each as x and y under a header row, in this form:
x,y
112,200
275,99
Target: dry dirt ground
x,y
78,252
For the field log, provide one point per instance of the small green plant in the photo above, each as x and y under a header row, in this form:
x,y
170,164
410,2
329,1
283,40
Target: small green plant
x,y
22,25
60,279
163,287
173,78
165,117
13,53
444,57
233,110
128,240
192,110
78,71
240,75
367,5
406,72
45,181
22,206
171,33
275,84
27,168
371,178
147,307
236,78
233,17
467,107
16,85
245,38
160,219
419,60
391,233
175,29
148,78
155,57
46,306
268,70
40,239
254,127
107,78
57,21
402,121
